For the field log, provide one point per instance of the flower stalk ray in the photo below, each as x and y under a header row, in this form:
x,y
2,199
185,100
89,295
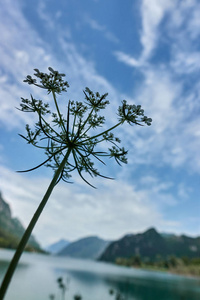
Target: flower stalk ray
x,y
73,131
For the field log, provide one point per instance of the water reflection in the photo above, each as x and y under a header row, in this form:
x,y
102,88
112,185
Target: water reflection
x,y
133,288
142,289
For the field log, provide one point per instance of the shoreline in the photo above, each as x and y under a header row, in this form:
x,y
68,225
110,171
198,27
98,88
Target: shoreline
x,y
174,271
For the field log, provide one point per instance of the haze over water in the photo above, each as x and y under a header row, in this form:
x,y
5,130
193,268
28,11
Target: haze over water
x,y
35,279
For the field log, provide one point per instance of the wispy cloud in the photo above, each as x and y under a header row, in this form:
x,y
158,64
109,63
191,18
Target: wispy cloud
x,y
182,27
101,28
22,50
42,13
152,13
127,59
173,137
186,62
183,30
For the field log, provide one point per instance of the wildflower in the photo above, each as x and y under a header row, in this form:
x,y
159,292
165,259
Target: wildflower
x,y
68,142
69,138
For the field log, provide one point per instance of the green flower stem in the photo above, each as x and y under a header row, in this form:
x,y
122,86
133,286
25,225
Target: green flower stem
x,y
57,108
85,122
73,126
106,131
27,234
47,124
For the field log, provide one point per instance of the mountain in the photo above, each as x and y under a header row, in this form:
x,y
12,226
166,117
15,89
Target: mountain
x,y
58,246
11,229
150,245
89,247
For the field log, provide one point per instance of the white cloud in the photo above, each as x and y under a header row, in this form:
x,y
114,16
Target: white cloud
x,y
183,32
22,50
185,17
73,212
155,184
152,14
186,62
174,106
127,59
159,96
173,138
181,28
42,12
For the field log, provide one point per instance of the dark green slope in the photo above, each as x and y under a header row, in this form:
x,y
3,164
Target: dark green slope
x,y
152,245
11,229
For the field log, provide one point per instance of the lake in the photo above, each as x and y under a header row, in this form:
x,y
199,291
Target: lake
x,y
36,278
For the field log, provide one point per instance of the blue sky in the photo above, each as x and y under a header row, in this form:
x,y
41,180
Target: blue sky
x,y
146,52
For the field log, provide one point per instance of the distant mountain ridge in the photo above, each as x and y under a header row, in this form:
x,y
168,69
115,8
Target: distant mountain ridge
x,y
151,244
88,248
57,246
11,229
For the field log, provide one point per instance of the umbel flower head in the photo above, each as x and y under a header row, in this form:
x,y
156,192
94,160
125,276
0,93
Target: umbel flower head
x,y
70,136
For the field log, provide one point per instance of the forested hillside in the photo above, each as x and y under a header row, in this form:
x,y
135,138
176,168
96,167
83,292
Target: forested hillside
x,y
151,246
11,229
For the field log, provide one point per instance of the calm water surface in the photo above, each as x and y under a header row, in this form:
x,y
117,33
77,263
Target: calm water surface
x,y
35,279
